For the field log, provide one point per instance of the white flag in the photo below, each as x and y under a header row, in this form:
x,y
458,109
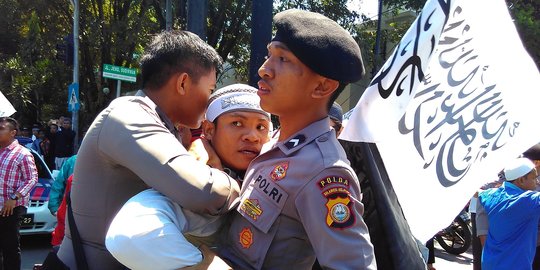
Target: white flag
x,y
6,109
453,104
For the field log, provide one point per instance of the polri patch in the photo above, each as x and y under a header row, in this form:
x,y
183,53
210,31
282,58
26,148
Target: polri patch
x,y
339,208
280,171
332,180
246,237
251,208
297,140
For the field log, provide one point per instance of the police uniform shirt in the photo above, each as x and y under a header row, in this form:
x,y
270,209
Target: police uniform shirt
x,y
130,147
300,201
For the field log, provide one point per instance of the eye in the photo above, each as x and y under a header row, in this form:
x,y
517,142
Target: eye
x,y
283,59
262,127
236,123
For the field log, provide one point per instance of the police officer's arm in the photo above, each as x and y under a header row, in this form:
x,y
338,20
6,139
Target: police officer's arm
x,y
331,212
148,149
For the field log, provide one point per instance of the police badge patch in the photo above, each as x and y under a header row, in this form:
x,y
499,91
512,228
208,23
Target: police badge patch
x,y
252,208
339,207
246,237
280,171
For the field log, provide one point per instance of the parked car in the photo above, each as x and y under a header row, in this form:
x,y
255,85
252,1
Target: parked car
x,y
38,219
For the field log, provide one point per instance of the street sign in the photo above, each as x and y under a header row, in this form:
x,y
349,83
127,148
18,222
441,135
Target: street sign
x,y
73,97
119,73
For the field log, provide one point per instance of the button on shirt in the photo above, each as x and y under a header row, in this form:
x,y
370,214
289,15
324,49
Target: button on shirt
x,y
18,173
300,200
513,216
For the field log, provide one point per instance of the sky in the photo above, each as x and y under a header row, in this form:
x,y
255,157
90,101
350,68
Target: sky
x,y
367,7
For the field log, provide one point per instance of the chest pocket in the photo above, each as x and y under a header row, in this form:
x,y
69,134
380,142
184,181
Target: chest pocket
x,y
261,203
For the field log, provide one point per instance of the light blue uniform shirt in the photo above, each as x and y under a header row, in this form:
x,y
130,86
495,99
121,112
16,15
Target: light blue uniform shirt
x,y
513,216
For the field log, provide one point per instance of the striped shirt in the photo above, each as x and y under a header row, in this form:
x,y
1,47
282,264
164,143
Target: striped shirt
x,y
18,173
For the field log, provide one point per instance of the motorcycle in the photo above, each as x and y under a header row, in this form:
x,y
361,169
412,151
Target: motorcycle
x,y
457,237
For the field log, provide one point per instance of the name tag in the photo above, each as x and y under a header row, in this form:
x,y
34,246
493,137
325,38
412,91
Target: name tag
x,y
262,202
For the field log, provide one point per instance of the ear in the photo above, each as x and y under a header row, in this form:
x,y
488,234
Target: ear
x,y
183,82
208,129
325,88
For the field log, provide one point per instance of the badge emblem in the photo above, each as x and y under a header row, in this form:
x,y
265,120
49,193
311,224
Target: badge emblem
x,y
292,143
280,171
339,207
252,208
246,237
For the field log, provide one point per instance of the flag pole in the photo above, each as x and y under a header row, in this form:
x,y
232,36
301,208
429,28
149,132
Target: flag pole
x,y
376,50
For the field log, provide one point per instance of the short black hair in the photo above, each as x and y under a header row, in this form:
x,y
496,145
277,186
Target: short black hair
x,y
176,51
12,123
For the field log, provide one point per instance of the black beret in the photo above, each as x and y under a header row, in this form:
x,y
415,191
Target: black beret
x,y
321,44
533,153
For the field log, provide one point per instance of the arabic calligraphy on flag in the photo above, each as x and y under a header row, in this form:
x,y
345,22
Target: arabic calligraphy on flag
x,y
452,104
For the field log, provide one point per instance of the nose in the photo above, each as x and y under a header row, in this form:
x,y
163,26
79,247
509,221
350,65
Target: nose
x,y
265,70
251,135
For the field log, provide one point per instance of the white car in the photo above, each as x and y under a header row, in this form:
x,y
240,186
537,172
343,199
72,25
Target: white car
x,y
38,218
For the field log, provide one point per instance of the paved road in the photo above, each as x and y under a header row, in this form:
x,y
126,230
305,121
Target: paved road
x,y
36,247
446,261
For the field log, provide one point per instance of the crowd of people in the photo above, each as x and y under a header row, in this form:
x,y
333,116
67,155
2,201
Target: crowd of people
x,y
182,176
53,141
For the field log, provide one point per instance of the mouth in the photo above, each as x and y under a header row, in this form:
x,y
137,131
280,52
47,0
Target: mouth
x,y
264,88
249,151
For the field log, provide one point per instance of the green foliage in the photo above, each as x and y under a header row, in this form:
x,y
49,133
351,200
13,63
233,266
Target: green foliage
x,y
526,16
116,31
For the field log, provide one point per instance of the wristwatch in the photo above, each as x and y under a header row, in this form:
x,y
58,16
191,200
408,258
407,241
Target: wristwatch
x,y
13,196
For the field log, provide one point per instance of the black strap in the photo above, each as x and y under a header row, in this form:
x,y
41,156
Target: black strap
x,y
80,257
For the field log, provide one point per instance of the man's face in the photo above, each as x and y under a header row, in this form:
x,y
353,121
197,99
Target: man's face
x,y
53,129
531,181
286,83
237,137
66,124
196,99
7,134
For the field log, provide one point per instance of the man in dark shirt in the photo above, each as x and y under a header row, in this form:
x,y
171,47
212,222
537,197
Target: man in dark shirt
x,y
64,143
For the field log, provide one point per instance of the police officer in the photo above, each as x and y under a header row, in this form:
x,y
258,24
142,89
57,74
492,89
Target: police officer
x,y
133,145
300,199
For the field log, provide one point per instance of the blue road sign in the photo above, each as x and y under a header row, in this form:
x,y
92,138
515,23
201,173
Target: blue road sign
x,y
73,97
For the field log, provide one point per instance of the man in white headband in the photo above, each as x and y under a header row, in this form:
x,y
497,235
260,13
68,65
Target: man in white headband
x,y
150,230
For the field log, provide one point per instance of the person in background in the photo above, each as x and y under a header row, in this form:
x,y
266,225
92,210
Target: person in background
x,y
60,228
35,132
37,142
64,144
533,154
49,147
59,185
18,175
513,213
336,118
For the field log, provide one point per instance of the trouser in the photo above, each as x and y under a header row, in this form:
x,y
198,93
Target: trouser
x,y
431,247
476,245
10,249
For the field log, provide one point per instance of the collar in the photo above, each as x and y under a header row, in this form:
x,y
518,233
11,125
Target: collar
x,y
12,145
304,136
510,186
233,174
166,121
